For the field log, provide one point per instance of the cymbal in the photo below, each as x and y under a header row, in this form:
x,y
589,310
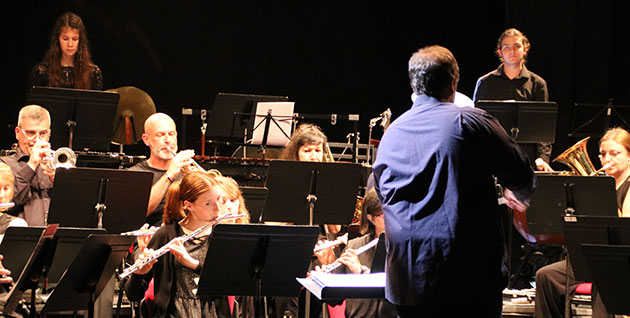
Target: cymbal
x,y
134,107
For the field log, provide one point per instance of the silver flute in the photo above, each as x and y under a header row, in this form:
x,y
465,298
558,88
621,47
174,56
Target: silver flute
x,y
336,264
164,249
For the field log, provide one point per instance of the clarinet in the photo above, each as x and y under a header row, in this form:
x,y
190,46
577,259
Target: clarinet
x,y
164,249
336,264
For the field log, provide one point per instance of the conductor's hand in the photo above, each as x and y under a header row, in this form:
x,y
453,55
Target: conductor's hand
x,y
181,159
327,255
4,274
513,203
146,252
176,247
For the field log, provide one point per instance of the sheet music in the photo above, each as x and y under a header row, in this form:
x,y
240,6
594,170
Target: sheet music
x,y
349,280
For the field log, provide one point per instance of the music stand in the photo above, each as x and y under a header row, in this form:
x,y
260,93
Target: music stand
x,y
39,260
255,198
556,195
378,263
19,242
586,229
264,260
311,192
230,118
89,273
601,117
80,119
278,134
610,267
80,195
525,121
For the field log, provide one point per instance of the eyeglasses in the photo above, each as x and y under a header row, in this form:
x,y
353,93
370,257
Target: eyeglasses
x,y
32,133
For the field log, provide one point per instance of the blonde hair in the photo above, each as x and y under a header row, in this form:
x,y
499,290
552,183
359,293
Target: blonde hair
x,y
6,175
618,135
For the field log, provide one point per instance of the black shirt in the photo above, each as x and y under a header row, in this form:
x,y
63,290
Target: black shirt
x,y
527,86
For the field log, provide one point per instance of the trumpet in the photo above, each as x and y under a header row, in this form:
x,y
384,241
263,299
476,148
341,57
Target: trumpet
x,y
192,166
164,249
336,264
63,157
340,240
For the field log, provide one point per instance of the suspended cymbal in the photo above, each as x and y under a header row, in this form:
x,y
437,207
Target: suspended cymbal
x,y
134,107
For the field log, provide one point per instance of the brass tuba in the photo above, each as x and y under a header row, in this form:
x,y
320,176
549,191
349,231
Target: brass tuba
x,y
577,159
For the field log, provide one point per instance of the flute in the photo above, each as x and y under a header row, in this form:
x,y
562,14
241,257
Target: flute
x,y
336,264
340,240
164,249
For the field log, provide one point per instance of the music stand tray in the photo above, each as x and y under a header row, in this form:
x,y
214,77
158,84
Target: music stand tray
x,y
290,182
89,273
80,119
341,286
525,121
610,267
77,192
587,195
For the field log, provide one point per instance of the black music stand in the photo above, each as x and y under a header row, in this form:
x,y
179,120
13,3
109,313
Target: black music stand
x,y
525,121
19,242
378,263
255,198
80,119
601,117
80,195
89,273
231,115
264,260
38,262
610,267
556,196
586,229
311,192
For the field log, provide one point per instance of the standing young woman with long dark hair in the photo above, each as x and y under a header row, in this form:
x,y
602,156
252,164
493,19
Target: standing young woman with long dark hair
x,y
67,62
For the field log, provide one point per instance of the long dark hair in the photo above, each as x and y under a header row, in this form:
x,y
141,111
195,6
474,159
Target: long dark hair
x,y
82,59
304,134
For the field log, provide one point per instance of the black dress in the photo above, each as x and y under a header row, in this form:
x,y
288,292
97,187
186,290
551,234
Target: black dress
x,y
39,77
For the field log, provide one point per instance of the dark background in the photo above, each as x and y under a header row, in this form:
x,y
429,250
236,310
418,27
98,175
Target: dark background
x,y
327,56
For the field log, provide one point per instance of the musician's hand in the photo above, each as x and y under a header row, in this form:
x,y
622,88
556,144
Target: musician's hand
x,y
351,260
4,274
327,255
146,252
513,203
542,165
40,150
143,240
181,159
49,172
176,247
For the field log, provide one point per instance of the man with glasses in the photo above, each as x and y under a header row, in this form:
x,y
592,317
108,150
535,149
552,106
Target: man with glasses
x,y
33,178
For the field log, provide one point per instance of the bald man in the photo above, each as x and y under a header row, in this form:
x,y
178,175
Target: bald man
x,y
160,135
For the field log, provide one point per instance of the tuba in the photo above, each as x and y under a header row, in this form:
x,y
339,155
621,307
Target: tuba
x,y
577,159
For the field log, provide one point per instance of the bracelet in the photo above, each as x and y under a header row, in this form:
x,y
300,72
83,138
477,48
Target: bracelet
x,y
365,269
169,178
